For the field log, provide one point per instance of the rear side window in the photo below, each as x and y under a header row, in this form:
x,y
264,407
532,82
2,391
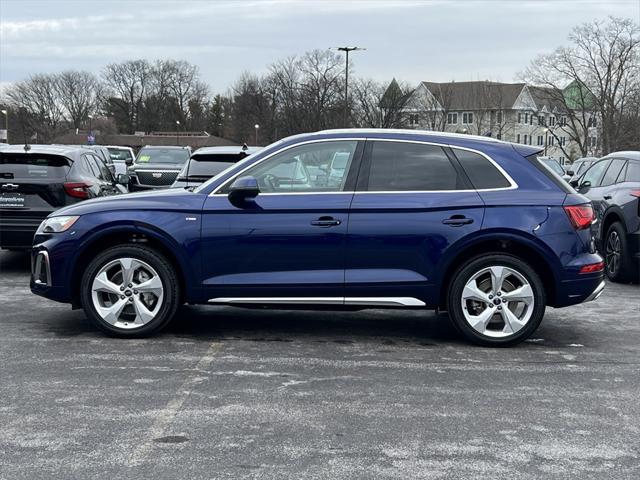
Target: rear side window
x,y
482,173
28,165
612,172
633,172
399,166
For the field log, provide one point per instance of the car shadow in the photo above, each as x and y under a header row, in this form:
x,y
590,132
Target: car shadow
x,y
15,262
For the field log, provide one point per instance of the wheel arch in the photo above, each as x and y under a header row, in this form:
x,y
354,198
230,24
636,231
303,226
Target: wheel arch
x,y
612,215
500,242
134,233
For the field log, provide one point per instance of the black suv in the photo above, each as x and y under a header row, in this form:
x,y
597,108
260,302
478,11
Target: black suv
x,y
157,167
613,186
38,179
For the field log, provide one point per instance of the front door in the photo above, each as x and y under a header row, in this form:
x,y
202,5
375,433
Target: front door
x,y
289,245
412,203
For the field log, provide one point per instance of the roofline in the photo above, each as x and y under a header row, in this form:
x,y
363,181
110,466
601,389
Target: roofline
x,y
406,131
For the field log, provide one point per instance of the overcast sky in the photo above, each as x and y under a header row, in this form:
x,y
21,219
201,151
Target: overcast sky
x,y
412,40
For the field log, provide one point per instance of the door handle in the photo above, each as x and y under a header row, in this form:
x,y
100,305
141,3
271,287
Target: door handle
x,y
326,222
607,197
457,220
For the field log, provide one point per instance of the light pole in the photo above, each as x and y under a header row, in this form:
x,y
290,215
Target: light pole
x,y
346,50
256,126
6,124
546,131
177,132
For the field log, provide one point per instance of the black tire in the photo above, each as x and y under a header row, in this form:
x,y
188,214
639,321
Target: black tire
x,y
620,269
170,284
465,273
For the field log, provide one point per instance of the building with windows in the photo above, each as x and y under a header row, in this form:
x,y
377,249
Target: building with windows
x,y
514,112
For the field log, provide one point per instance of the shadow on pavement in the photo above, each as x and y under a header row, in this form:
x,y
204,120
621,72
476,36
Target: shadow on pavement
x,y
15,262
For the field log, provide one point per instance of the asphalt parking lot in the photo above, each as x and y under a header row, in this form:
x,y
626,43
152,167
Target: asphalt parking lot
x,y
233,393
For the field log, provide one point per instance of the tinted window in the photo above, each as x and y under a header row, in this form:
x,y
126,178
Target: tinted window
x,y
594,174
397,166
316,167
612,172
633,172
105,173
582,167
32,165
162,155
482,173
93,165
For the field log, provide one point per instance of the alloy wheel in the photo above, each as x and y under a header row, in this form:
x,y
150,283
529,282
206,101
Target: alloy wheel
x,y
613,252
127,293
497,301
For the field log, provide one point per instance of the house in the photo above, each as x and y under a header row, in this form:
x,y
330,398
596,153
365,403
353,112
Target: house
x,y
514,112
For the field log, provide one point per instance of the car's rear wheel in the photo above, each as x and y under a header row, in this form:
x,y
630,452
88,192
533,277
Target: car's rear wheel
x,y
619,264
496,300
130,291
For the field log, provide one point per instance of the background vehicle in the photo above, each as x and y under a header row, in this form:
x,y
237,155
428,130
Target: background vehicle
x,y
157,167
104,154
35,182
122,157
613,186
207,162
411,219
580,166
554,165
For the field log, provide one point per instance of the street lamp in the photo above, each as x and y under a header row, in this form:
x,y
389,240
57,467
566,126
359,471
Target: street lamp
x,y
178,132
546,132
256,126
6,124
346,50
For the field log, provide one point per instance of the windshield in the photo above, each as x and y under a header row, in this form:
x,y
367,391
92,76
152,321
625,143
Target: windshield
x,y
120,154
162,155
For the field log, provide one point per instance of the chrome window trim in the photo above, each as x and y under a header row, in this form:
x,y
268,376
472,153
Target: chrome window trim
x,y
364,301
512,183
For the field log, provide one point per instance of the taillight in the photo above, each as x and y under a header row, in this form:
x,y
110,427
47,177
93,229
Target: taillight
x,y
592,268
77,189
635,193
581,216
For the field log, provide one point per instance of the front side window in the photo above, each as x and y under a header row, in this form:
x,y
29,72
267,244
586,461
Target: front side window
x,y
315,167
594,174
400,166
482,173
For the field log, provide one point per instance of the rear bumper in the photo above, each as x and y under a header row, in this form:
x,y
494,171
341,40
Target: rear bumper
x,y
596,293
17,231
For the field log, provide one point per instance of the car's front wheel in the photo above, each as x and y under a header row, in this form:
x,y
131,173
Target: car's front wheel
x,y
130,291
496,300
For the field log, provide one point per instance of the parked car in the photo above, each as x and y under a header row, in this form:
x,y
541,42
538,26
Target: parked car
x,y
157,167
122,157
207,162
580,166
613,186
103,153
554,165
467,224
37,180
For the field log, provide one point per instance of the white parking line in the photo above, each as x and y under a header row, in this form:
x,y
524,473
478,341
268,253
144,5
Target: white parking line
x,y
166,415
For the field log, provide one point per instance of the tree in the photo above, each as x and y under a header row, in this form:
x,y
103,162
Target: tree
x,y
127,85
78,94
601,66
382,105
39,105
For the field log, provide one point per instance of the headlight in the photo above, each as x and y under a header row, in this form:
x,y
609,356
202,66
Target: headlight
x,y
57,224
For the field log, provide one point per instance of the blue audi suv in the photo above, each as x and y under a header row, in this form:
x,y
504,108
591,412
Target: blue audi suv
x,y
338,219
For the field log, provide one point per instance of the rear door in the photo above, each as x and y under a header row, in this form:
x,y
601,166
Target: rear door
x,y
412,202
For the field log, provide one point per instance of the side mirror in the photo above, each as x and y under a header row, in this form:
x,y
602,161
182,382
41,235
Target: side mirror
x,y
128,162
574,183
242,190
112,169
123,179
586,184
571,173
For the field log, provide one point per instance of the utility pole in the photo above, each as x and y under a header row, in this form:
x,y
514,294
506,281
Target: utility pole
x,y
346,50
